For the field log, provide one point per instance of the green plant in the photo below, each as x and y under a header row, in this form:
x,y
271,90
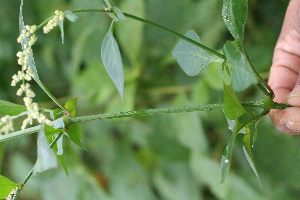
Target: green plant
x,y
237,71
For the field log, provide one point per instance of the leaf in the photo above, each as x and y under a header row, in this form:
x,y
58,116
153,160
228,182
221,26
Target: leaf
x,y
116,13
11,109
226,158
241,74
191,58
6,186
46,158
75,134
71,107
227,154
232,107
60,23
50,131
71,16
234,13
112,61
248,153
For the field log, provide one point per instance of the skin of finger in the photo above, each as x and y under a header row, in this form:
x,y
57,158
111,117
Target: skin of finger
x,y
284,71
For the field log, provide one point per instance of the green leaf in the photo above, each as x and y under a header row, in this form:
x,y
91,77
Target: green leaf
x,y
60,23
112,61
46,158
11,109
227,154
235,14
71,16
116,13
6,186
241,74
191,58
75,134
58,148
50,131
232,107
248,152
227,157
71,107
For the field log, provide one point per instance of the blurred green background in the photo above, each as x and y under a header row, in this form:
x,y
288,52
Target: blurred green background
x,y
174,156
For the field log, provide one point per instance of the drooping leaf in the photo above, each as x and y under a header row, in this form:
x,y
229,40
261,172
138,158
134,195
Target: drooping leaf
x,y
235,14
241,74
227,157
71,16
6,186
24,44
11,109
112,61
191,58
71,107
232,107
46,158
227,154
58,148
248,152
75,134
60,23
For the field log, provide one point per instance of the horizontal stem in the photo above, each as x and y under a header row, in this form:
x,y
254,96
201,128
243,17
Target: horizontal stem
x,y
144,113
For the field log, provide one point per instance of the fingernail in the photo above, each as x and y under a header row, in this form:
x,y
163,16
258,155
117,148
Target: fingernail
x,y
293,126
294,97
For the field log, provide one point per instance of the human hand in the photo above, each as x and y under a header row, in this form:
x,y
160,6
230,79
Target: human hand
x,y
285,72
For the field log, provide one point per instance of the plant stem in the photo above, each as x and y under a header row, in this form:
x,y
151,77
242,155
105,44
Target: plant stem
x,y
164,29
257,104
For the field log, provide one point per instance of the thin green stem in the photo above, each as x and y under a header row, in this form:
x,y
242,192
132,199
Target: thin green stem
x,y
163,29
256,104
54,99
262,85
143,113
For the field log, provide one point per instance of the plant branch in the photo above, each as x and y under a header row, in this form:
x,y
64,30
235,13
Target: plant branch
x,y
163,29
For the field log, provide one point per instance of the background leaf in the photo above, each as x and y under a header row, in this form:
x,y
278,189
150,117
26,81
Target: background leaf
x,y
241,74
112,60
191,58
11,109
235,15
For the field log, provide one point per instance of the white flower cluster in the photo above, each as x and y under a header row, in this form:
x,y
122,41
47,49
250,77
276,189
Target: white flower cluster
x,y
27,38
12,193
59,16
6,125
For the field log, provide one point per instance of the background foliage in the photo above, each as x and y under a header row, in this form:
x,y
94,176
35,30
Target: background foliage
x,y
174,156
